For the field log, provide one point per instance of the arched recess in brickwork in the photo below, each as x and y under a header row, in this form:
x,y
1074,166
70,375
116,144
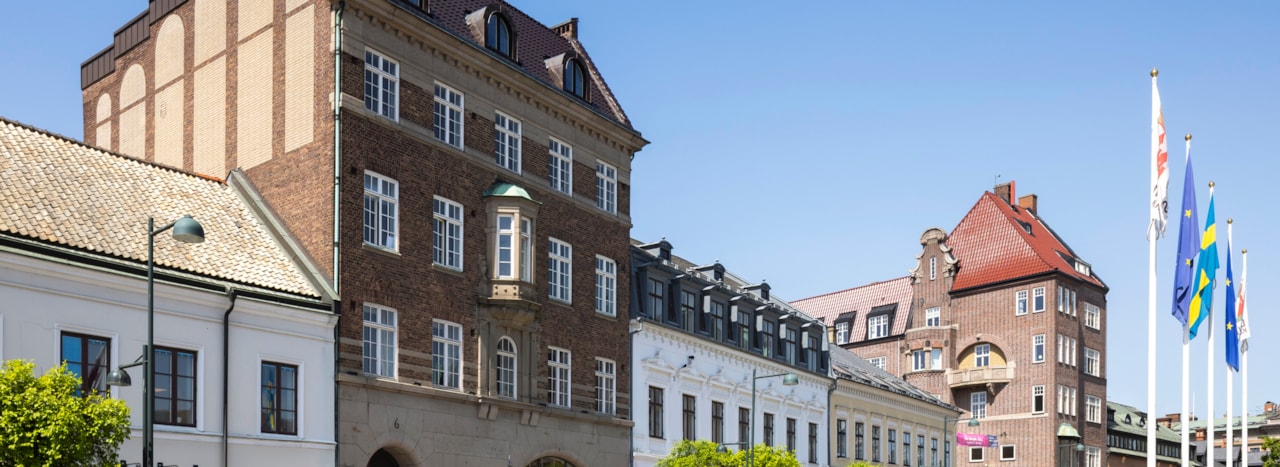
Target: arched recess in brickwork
x,y
102,116
133,114
104,108
994,355
133,86
170,45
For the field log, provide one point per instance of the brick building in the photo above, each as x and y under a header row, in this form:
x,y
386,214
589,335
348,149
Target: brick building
x,y
1000,318
421,152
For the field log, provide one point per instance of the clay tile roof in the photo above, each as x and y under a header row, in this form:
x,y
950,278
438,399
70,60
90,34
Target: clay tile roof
x,y
63,192
862,300
993,245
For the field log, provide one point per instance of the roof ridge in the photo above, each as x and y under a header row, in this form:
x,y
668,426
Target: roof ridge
x,y
869,284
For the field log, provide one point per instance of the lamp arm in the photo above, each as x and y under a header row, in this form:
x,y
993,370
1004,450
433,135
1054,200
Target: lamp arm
x,y
163,228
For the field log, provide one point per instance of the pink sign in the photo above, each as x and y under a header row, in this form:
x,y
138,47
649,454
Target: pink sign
x,y
968,439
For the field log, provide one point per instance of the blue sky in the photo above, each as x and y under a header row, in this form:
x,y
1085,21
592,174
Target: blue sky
x,y
812,144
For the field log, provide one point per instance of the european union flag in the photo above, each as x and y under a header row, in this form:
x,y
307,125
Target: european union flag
x,y
1206,272
1188,247
1233,340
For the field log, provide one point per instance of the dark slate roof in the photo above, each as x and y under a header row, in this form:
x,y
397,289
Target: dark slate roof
x,y
848,366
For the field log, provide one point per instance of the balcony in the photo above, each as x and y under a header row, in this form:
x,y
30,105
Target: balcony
x,y
511,302
987,375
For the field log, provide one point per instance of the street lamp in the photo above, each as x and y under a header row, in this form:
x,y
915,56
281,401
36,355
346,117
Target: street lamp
x,y
1067,433
788,379
946,434
185,230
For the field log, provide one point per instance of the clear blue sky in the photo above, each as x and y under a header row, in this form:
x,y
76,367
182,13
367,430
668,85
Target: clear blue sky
x,y
812,144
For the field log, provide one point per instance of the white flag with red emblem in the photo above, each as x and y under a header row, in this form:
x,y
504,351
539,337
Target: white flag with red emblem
x,y
1159,164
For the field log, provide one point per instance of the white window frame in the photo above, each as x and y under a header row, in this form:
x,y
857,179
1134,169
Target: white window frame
x,y
560,170
559,376
877,326
977,454
933,267
1037,300
1071,301
385,196
446,354
383,327
1037,391
448,235
1013,453
507,141
513,247
933,316
447,115
1062,399
981,355
559,270
506,365
1020,303
526,249
606,286
1062,298
1092,409
383,76
1092,362
1092,316
935,359
978,404
1092,457
878,362
606,386
842,332
1037,348
606,187
920,360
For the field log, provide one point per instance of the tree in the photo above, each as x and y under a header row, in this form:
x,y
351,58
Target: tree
x,y
43,422
1272,446
705,454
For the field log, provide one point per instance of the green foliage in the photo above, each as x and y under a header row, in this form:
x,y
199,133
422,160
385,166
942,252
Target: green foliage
x,y
1272,446
704,454
44,423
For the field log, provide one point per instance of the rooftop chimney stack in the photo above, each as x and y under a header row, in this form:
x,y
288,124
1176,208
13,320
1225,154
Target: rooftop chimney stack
x,y
1005,191
1029,203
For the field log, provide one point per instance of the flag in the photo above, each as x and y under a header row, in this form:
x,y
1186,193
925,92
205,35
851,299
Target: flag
x,y
1206,272
1233,340
1159,165
1242,311
1188,246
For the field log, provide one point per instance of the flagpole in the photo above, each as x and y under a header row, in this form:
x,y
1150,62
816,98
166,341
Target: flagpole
x,y
1186,368
1152,235
1230,455
1213,284
1244,365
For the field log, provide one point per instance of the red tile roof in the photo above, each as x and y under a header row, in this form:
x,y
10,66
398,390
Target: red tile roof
x,y
861,300
996,242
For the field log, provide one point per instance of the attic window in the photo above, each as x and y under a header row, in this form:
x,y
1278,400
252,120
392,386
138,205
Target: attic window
x,y
1127,420
498,35
1025,227
1082,267
573,78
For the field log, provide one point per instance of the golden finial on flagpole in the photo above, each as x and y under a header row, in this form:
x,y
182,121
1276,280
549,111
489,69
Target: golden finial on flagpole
x,y
1245,251
1154,72
1228,220
1211,185
1188,137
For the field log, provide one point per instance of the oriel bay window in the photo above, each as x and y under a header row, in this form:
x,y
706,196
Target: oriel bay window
x,y
512,216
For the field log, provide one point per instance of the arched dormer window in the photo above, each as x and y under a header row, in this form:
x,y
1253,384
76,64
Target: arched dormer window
x,y
498,35
574,81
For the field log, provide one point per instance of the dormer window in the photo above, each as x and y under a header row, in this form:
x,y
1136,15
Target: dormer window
x,y
574,79
498,35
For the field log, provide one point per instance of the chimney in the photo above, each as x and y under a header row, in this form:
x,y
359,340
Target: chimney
x,y
1005,192
1028,203
1270,407
567,29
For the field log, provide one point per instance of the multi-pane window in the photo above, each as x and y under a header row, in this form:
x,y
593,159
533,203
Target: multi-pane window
x,y
976,454
448,115
877,327
560,169
88,357
812,353
559,367
658,301
875,443
688,412
768,429
744,328
920,360
448,233
1037,399
906,448
1092,362
506,132
1020,303
1092,316
935,359
446,354
791,434
1008,452
279,398
813,443
1093,457
893,446
509,239
859,445
1037,348
574,79
1092,409
717,422
933,317
506,367
744,425
606,286
381,211
379,341
982,355
933,452
933,267
497,35
767,336
559,270
842,438
1066,400
606,187
789,345
1037,296
842,332
920,450
175,396
381,84
689,310
878,362
655,412
946,453
978,404
606,386
1066,350
717,319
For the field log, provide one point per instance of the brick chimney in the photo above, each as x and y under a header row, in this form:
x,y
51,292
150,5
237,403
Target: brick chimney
x,y
1028,202
1005,191
1270,407
567,29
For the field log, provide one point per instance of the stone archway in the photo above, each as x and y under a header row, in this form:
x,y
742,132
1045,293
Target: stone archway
x,y
382,458
549,462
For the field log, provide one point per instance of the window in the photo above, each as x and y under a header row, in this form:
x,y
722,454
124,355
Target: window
x,y
1092,362
982,355
1037,348
381,211
933,317
606,280
976,454
448,233
559,366
1093,457
559,270
717,422
933,451
279,398
842,332
381,83
1062,298
1066,350
1092,316
791,434
920,360
508,233
812,353
935,358
658,301
573,79
560,171
606,187
946,453
858,447
933,267
1071,301
789,347
507,141
379,341
689,311
717,319
88,357
1037,399
906,448
448,116
744,425
920,450
1066,400
175,396
606,386
498,35
1038,295
1020,303
655,412
813,443
744,328
446,354
689,411
978,404
1008,452
506,367
877,327
893,446
875,443
1092,409
877,361
842,438
767,337
768,429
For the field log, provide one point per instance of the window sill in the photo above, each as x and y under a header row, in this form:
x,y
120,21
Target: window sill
x,y
380,250
446,269
612,317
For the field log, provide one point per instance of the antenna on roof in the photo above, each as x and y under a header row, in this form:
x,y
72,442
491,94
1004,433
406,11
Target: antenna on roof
x,y
996,181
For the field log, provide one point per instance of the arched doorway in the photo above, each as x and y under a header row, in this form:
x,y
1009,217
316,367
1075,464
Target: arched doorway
x,y
382,458
550,462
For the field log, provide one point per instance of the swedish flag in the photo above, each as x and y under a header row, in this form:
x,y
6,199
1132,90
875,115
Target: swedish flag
x,y
1206,272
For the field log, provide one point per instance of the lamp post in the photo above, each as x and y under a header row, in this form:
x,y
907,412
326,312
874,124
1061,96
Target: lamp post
x,y
185,230
788,379
946,435
1067,434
